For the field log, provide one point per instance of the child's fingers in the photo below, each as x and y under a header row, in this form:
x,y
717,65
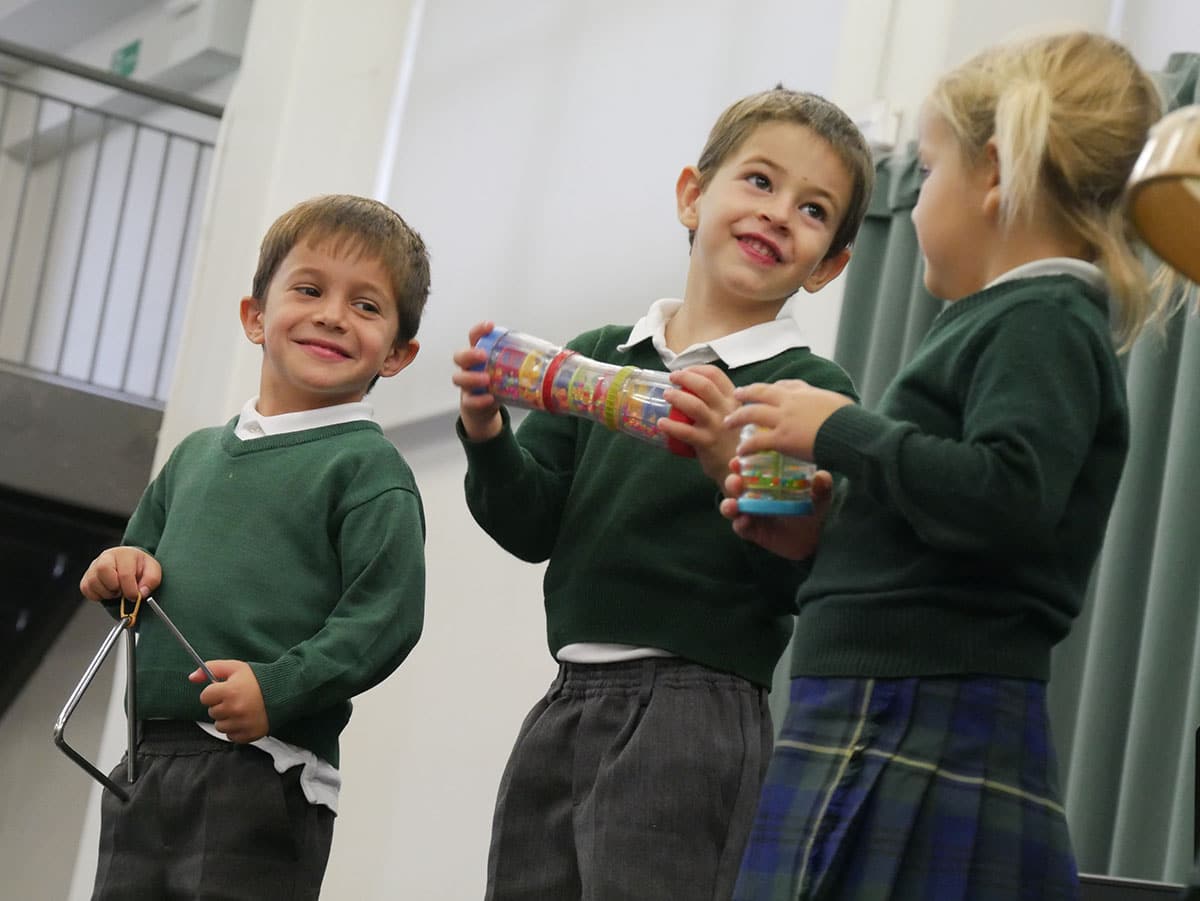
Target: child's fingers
x,y
708,381
478,403
762,440
714,374
479,330
128,565
92,587
680,431
757,393
820,485
213,697
761,415
728,506
468,357
689,403
99,582
470,380
734,485
745,527
149,574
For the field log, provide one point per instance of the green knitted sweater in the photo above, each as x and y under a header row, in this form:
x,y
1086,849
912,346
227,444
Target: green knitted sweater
x,y
638,552
978,493
301,554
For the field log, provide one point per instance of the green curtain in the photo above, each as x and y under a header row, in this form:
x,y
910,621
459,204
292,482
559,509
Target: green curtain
x,y
1125,690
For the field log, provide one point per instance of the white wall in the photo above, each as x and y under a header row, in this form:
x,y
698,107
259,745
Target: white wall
x,y
1154,29
539,151
424,751
41,791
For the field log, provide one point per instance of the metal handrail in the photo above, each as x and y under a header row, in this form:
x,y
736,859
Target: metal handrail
x,y
70,160
91,73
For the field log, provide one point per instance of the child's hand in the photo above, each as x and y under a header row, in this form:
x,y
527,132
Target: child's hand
x,y
704,395
789,414
235,703
793,537
480,412
120,572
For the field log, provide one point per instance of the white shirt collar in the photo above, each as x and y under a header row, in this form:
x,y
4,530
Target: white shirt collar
x,y
252,424
1081,269
759,342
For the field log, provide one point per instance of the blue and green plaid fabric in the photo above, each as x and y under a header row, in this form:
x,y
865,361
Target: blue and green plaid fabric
x,y
911,790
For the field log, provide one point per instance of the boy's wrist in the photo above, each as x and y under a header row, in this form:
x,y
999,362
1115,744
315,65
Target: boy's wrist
x,y
478,430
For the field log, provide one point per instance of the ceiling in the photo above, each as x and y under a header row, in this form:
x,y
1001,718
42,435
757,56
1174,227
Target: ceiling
x,y
55,26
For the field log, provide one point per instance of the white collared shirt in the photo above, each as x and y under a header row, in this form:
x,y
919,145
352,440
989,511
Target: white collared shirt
x,y
750,345
319,780
1081,269
252,424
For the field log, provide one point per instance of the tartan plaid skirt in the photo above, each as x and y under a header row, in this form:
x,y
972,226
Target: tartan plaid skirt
x,y
911,790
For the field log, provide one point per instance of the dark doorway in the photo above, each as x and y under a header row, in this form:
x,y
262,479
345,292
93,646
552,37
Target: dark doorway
x,y
45,546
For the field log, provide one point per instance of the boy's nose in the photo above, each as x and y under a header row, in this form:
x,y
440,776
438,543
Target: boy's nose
x,y
330,313
776,211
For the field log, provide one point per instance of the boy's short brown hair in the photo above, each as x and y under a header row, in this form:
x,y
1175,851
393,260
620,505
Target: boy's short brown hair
x,y
356,224
813,112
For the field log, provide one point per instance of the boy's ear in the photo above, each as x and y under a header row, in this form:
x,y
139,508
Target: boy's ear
x,y
827,270
252,319
401,356
687,193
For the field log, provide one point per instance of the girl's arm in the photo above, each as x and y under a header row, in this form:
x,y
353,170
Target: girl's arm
x,y
1030,418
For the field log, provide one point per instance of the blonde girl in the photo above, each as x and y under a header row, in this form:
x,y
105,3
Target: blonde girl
x,y
915,761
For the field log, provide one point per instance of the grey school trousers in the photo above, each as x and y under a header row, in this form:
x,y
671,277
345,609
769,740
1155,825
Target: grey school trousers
x,y
211,820
633,781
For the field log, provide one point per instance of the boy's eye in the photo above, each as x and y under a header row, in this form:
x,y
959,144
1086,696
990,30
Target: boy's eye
x,y
368,306
308,290
923,172
759,181
815,210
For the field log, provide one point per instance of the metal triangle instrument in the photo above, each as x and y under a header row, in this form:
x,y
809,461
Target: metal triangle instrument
x,y
125,624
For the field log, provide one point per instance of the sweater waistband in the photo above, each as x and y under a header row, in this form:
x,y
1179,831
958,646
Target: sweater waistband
x,y
635,677
872,637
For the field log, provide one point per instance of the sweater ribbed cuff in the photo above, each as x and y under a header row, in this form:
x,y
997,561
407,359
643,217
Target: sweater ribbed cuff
x,y
499,455
841,439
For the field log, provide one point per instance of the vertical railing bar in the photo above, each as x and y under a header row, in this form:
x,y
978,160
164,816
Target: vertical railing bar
x,y
30,151
183,236
112,257
3,127
4,110
83,233
41,279
137,305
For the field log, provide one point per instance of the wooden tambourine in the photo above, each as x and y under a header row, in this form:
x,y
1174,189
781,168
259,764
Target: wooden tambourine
x,y
1164,191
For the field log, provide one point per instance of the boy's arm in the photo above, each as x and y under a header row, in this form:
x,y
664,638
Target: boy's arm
x,y
375,623
517,483
138,546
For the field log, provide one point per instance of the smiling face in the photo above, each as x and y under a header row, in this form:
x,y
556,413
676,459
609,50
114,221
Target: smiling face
x,y
328,327
765,220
